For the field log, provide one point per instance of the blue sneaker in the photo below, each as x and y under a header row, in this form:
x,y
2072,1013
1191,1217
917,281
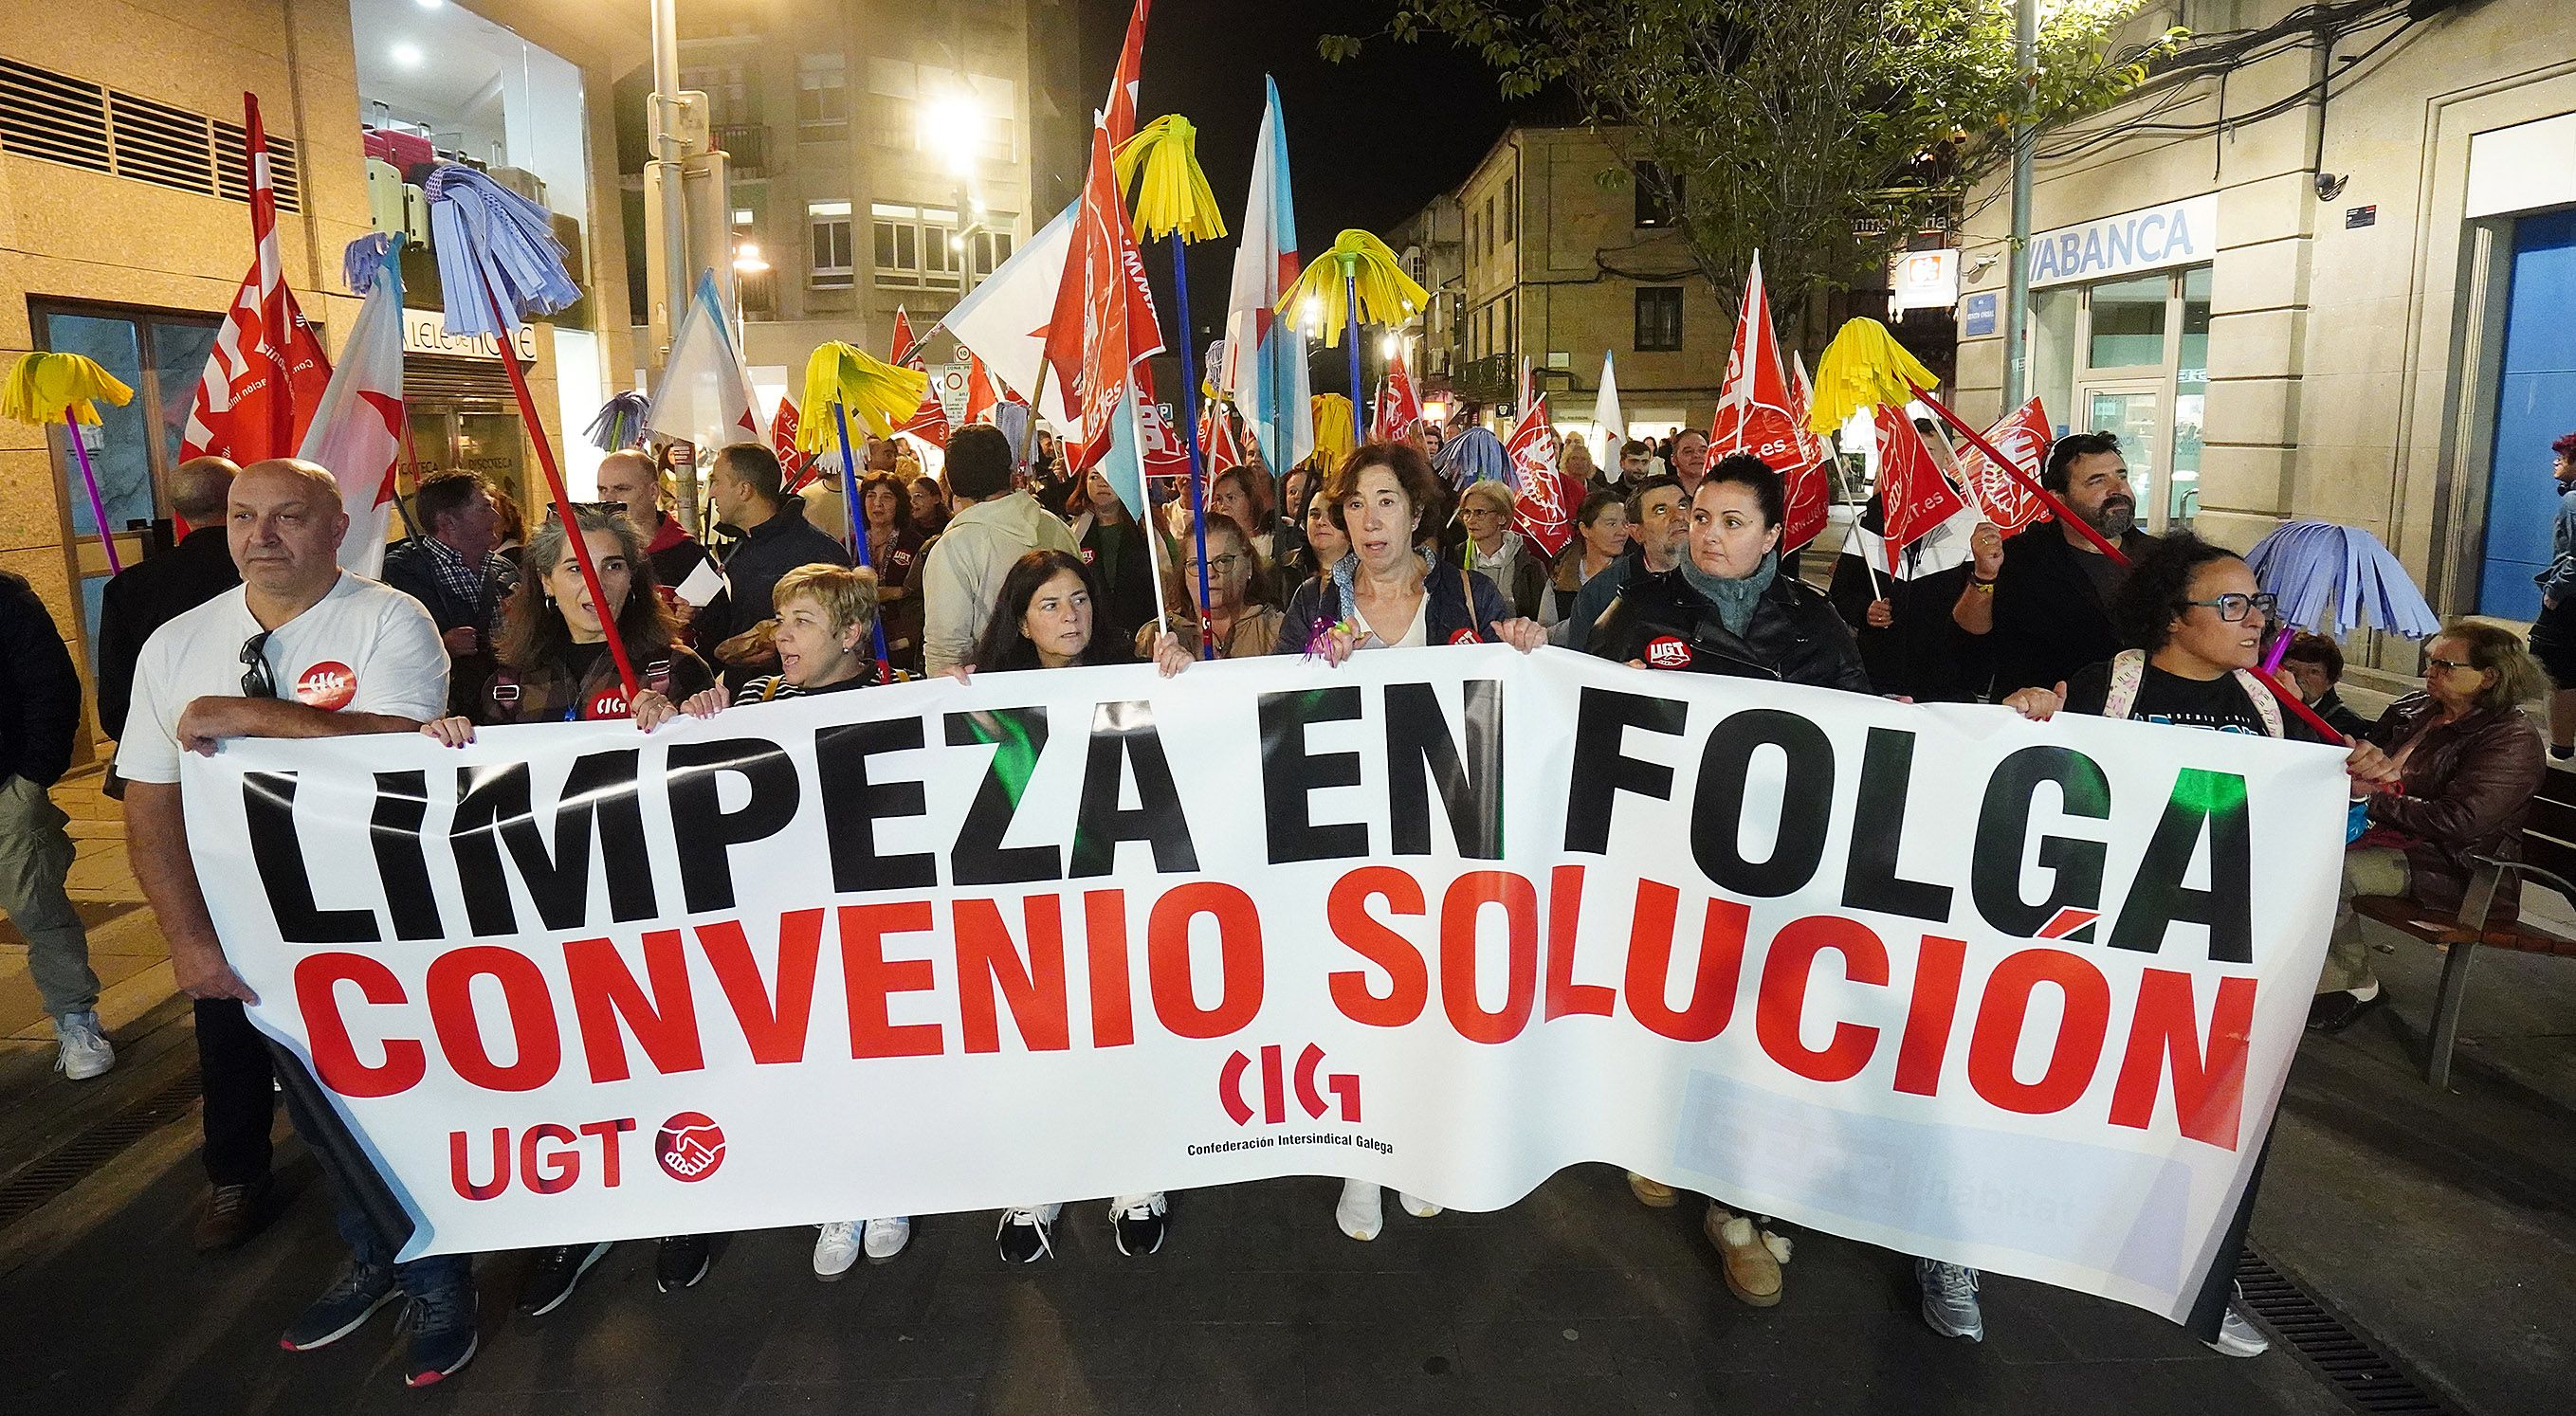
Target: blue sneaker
x,y
342,1309
1950,1299
444,1333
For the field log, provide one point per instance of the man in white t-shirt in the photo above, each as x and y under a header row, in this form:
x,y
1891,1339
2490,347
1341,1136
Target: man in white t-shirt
x,y
298,649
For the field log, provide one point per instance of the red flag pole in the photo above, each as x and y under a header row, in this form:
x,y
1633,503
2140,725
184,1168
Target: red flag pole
x,y
2065,513
562,498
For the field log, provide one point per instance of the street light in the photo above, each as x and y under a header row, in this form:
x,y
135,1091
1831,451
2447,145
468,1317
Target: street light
x,y
953,126
747,258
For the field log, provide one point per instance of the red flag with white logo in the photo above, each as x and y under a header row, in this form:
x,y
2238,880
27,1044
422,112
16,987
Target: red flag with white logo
x,y
2022,436
1217,446
1910,485
1544,511
929,422
795,462
1398,411
266,373
1755,415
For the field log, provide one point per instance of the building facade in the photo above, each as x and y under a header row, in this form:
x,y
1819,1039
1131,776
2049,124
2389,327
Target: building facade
x,y
125,228
884,155
2320,266
1558,266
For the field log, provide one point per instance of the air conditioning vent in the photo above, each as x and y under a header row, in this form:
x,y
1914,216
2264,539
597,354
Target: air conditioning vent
x,y
58,118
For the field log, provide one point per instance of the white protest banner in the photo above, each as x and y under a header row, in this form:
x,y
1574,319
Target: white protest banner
x,y
2007,994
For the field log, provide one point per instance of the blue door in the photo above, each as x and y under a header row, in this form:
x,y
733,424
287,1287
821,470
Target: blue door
x,y
2535,405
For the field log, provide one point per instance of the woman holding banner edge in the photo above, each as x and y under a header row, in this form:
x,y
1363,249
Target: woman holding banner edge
x,y
1045,618
1386,594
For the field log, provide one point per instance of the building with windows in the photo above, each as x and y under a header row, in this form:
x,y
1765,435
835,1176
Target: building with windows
x,y
2318,266
1557,266
125,228
883,155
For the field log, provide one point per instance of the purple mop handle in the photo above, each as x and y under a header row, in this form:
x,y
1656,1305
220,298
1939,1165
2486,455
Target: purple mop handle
x,y
97,508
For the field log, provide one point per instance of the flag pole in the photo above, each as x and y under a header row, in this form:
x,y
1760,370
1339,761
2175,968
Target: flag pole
x,y
1190,421
89,484
562,498
1153,533
1029,434
1351,303
859,525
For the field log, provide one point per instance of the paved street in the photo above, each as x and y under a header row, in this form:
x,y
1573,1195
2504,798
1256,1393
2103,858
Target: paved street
x,y
2439,1225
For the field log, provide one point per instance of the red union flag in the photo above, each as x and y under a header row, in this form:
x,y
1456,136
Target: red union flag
x,y
1548,498
1398,411
1756,413
2022,435
266,373
929,422
1217,447
794,461
1104,315
1917,497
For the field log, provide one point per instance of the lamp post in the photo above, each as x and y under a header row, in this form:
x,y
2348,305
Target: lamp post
x,y
2017,278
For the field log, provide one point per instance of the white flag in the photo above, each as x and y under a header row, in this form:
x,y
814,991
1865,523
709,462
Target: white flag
x,y
705,398
1605,409
357,429
1004,323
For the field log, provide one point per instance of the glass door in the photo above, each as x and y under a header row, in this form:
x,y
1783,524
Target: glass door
x,y
2134,410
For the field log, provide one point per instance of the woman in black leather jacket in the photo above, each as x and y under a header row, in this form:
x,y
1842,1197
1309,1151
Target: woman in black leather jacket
x,y
1727,608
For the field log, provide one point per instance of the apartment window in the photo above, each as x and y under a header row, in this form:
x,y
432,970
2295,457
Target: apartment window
x,y
1511,210
830,224
1489,228
940,257
1658,198
822,90
731,100
992,247
1472,232
1659,318
1503,326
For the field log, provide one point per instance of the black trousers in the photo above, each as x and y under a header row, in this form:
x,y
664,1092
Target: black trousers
x,y
238,1080
2211,1306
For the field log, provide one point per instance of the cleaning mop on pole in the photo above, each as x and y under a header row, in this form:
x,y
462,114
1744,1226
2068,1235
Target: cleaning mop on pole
x,y
845,379
45,387
619,424
1358,280
2323,573
498,263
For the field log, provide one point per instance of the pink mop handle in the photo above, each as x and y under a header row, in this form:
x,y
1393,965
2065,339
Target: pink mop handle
x,y
97,508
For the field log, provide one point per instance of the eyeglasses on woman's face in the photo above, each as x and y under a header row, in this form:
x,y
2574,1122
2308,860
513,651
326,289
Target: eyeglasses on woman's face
x,y
2233,607
1216,565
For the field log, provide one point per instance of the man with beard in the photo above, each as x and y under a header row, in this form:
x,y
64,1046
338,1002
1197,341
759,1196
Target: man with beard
x,y
2042,600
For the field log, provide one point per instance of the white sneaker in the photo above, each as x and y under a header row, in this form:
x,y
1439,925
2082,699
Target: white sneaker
x,y
1026,1235
1362,1212
837,1249
2237,1336
1139,1223
84,1050
886,1238
1419,1209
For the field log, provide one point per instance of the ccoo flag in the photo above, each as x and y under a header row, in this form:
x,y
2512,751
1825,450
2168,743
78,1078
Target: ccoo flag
x,y
929,422
1915,495
1265,360
266,373
1754,415
1398,411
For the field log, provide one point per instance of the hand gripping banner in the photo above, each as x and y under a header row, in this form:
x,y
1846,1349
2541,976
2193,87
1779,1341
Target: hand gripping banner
x,y
2013,995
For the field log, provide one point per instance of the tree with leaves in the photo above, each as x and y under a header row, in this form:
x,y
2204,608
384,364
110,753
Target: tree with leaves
x,y
1819,132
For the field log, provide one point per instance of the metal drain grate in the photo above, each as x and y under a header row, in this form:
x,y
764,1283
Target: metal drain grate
x,y
75,1160
2350,1360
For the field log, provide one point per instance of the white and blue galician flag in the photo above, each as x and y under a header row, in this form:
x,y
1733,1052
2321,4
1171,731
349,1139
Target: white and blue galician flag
x,y
705,398
1265,358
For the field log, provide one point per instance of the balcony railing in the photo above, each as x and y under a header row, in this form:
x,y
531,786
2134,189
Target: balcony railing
x,y
748,145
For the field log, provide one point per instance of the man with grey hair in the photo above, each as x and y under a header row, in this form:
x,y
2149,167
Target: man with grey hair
x,y
297,650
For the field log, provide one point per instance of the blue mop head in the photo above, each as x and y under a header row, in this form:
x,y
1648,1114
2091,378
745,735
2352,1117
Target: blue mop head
x,y
620,424
1473,456
2325,573
489,237
362,258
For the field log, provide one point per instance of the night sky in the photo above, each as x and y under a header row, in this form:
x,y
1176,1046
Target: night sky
x,y
1369,141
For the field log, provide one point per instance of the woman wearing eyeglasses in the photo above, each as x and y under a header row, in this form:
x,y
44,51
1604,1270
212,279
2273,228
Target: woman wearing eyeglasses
x,y
556,668
2194,620
1239,627
1499,553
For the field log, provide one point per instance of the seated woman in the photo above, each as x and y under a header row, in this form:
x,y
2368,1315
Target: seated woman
x,y
1045,619
2468,764
555,668
2194,620
1726,608
1385,593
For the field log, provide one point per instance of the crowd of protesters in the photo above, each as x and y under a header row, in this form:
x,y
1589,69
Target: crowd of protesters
x,y
1003,563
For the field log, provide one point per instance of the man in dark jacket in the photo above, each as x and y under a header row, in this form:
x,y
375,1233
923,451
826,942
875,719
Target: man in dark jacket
x,y
746,484
39,716
1908,642
452,568
153,592
2042,600
1658,523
